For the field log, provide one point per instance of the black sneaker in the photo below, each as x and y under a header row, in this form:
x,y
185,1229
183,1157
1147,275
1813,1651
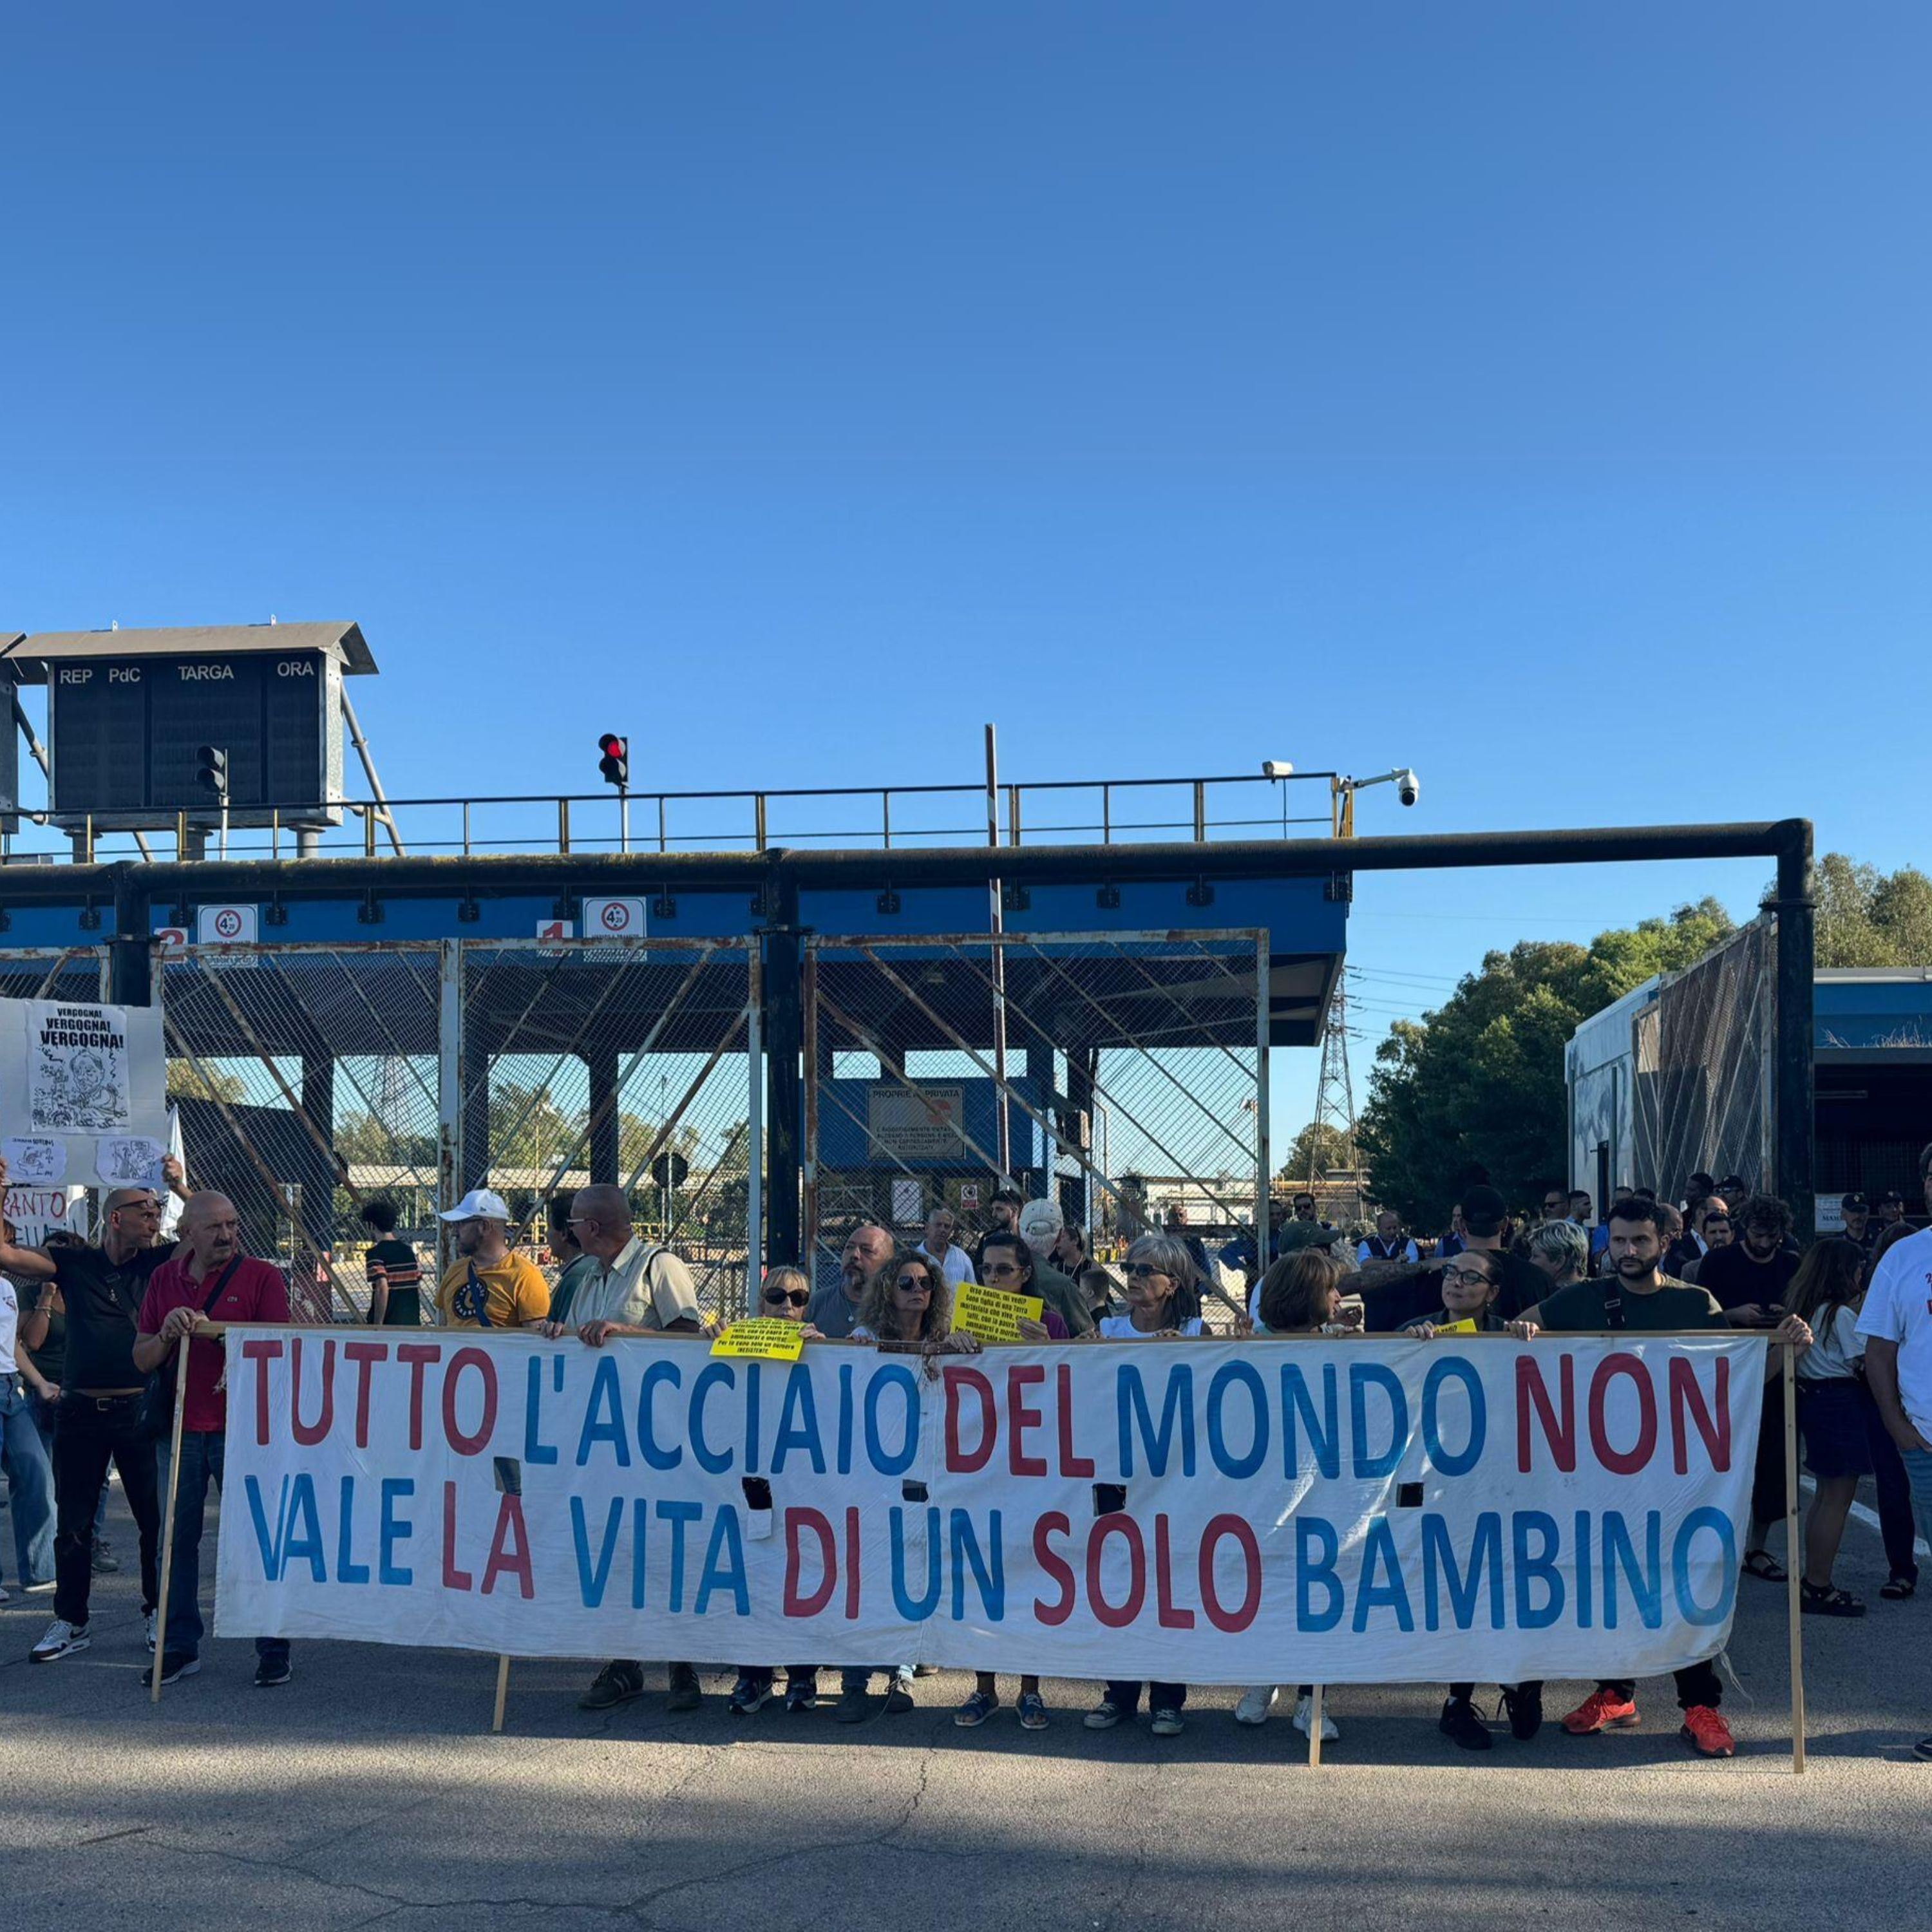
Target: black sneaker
x,y
1461,1724
270,1671
751,1692
854,1707
174,1668
801,1693
103,1562
686,1692
898,1697
1524,1703
615,1684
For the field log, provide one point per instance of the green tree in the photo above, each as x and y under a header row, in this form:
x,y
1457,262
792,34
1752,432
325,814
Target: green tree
x,y
1477,1086
187,1081
1870,918
1318,1147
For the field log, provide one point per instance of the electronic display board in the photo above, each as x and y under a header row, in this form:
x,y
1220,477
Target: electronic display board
x,y
124,733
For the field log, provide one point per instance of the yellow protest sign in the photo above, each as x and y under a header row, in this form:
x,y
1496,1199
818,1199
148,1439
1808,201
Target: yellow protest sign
x,y
1455,1328
761,1339
991,1313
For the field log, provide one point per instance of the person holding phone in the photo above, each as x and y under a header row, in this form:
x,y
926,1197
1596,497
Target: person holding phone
x,y
784,1297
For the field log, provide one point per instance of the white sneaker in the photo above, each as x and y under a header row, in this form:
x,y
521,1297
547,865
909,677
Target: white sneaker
x,y
148,1622
5,1595
41,1589
61,1638
1304,1710
1256,1704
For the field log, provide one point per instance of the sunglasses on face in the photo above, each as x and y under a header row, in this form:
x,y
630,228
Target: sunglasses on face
x,y
1142,1271
914,1284
797,1297
1001,1271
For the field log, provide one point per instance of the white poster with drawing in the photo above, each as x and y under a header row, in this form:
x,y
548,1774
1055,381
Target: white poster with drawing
x,y
33,1163
81,1085
77,1067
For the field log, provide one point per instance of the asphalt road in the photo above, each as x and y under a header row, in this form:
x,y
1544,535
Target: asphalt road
x,y
368,1791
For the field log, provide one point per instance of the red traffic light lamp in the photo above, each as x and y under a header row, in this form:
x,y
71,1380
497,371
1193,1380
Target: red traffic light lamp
x,y
616,762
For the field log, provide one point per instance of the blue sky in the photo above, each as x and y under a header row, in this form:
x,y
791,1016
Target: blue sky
x,y
1535,395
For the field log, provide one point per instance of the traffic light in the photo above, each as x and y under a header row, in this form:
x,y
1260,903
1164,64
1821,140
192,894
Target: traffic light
x,y
615,762
211,770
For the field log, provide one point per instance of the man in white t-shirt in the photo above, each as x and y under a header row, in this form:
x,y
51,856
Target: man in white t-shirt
x,y
954,1263
1896,1323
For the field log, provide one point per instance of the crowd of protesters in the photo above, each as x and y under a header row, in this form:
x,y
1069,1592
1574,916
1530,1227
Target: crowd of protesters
x,y
87,1333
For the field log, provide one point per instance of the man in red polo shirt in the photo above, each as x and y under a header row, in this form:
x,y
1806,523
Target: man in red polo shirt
x,y
207,1280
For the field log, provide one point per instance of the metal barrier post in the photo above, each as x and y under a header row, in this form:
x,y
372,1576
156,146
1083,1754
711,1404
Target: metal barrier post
x,y
449,1091
782,1026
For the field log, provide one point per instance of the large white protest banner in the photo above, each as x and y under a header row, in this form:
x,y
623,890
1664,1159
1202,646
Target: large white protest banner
x,y
83,1093
1215,1512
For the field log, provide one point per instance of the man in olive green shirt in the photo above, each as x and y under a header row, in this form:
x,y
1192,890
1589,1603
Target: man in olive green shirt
x,y
1636,1295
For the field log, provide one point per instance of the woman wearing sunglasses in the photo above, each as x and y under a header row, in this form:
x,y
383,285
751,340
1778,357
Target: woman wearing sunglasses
x,y
1006,1262
1470,1283
1163,1303
783,1298
909,1303
1163,1294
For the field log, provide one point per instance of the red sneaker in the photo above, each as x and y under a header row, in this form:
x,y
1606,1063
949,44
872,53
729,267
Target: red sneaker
x,y
1706,1733
1601,1711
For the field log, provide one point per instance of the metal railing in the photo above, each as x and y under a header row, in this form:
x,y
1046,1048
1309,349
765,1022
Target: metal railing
x,y
1106,811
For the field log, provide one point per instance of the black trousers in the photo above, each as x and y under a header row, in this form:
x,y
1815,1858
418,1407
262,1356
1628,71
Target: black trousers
x,y
94,1431
1895,1496
1126,1697
1696,1683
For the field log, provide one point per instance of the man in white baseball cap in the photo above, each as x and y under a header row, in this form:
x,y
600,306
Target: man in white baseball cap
x,y
490,1285
1040,1222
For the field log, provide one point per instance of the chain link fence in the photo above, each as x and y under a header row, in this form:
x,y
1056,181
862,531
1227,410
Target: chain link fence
x,y
313,1079
1120,1075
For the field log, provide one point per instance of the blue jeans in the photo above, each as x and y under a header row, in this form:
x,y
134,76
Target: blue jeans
x,y
30,1483
1918,1479
202,1457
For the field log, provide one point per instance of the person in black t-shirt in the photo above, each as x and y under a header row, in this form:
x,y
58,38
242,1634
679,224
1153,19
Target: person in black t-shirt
x,y
102,1288
1749,1279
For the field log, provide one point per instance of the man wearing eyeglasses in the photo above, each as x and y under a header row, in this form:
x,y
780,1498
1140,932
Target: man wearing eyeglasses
x,y
489,1285
636,1287
639,1288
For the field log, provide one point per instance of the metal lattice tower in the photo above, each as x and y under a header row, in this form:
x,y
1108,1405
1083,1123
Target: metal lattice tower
x,y
1335,1104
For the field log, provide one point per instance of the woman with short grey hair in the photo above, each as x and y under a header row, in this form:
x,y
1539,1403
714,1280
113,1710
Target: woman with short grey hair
x,y
1560,1250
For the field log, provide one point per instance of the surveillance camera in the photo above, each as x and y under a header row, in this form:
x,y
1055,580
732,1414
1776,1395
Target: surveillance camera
x,y
1276,768
1408,788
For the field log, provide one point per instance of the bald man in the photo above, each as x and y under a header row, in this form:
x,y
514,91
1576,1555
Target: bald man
x,y
634,1287
207,1283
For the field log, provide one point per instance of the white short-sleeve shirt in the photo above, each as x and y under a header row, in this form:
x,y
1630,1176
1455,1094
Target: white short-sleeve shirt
x,y
1898,1309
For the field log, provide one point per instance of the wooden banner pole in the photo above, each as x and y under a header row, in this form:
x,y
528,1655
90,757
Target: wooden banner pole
x,y
1794,1558
502,1692
1314,1727
168,1521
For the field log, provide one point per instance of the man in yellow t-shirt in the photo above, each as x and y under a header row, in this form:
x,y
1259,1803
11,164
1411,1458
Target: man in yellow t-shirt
x,y
490,1286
